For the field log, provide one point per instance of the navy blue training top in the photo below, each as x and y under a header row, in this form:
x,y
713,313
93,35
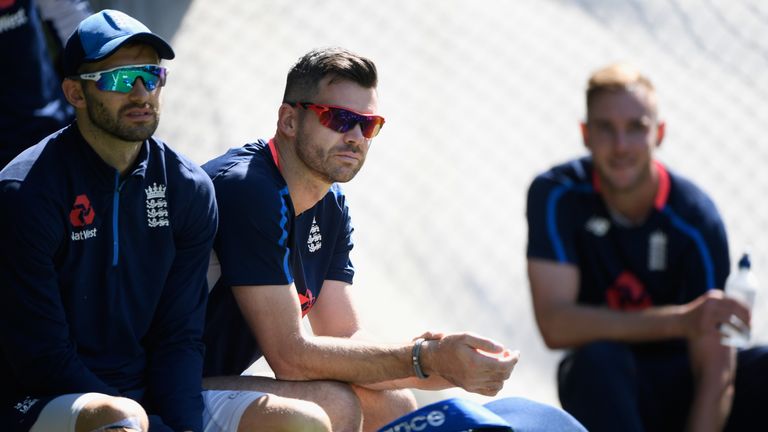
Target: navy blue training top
x,y
261,241
103,278
677,254
32,104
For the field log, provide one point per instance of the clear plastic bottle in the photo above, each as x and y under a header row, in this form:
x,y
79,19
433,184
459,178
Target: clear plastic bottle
x,y
740,285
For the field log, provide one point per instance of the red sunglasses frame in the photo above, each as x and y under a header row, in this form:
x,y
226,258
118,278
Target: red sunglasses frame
x,y
370,125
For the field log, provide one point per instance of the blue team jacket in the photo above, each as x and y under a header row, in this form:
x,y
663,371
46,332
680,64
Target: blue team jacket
x,y
103,277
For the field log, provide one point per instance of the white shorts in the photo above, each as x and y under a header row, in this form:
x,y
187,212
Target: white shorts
x,y
221,412
223,408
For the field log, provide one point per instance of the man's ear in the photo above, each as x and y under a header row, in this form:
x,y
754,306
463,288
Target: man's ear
x,y
287,120
73,91
661,130
584,133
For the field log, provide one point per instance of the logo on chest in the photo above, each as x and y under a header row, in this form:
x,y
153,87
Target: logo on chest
x,y
157,206
315,239
628,293
597,225
81,216
307,300
657,251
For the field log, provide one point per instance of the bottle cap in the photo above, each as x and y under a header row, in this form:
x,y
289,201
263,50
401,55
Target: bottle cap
x,y
744,262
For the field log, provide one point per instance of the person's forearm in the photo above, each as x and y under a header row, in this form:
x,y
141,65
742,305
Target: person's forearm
x,y
573,325
432,383
341,359
473,363
713,367
709,410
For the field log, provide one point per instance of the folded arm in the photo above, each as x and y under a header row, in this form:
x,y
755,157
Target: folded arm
x,y
273,313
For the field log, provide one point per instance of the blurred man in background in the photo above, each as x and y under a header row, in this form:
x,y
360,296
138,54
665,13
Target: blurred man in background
x,y
32,35
626,261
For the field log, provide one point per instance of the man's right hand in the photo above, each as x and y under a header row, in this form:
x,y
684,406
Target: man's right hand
x,y
475,364
704,315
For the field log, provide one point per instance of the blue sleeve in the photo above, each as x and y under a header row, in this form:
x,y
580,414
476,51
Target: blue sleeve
x,y
34,333
707,264
175,366
550,235
253,239
340,267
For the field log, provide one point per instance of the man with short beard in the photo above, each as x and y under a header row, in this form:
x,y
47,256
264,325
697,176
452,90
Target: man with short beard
x,y
105,236
282,252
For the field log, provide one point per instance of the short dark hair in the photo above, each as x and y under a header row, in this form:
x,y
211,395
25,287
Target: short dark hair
x,y
305,76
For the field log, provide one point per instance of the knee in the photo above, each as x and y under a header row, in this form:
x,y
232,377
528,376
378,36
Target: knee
x,y
383,406
108,410
393,404
284,415
342,406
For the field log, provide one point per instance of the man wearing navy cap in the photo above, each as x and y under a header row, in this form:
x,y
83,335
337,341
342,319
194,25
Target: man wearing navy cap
x,y
105,236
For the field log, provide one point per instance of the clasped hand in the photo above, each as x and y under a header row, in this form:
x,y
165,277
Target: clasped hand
x,y
473,363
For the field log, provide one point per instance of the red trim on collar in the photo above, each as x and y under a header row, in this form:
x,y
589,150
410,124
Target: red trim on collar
x,y
662,193
273,150
595,179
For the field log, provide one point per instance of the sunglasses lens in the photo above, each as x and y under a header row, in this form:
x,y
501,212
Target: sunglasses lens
x,y
341,120
372,126
122,80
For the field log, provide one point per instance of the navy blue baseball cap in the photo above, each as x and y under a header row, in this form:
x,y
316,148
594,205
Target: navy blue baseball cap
x,y
103,33
450,415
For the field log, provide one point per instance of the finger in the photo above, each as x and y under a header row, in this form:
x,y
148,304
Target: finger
x,y
737,323
714,293
483,344
742,311
492,390
435,335
505,355
430,335
496,371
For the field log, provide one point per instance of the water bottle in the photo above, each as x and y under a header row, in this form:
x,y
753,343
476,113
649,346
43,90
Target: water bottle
x,y
742,286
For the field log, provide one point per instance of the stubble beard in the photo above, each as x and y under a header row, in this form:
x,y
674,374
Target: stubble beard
x,y
100,117
316,159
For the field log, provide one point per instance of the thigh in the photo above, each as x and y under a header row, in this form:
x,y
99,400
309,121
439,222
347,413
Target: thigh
x,y
223,409
336,399
380,407
253,411
316,391
665,384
